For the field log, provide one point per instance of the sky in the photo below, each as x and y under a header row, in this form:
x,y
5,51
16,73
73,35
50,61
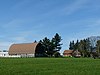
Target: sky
x,y
23,21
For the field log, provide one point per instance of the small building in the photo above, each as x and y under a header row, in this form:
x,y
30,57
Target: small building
x,y
76,53
4,54
26,50
68,53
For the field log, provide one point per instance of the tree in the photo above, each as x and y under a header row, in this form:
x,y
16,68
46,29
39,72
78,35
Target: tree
x,y
57,54
35,41
83,46
88,47
97,53
76,45
51,47
71,45
46,45
56,42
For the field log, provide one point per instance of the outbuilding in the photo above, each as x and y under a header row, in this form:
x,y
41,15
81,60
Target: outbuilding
x,y
4,54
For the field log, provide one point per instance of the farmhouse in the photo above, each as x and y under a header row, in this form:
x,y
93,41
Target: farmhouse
x,y
26,50
68,53
76,53
71,53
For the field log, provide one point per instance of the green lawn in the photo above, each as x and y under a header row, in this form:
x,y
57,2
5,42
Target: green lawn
x,y
49,66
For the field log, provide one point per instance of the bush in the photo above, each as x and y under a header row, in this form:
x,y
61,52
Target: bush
x,y
57,54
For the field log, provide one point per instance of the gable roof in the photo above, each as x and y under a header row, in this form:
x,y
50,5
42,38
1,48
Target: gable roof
x,y
26,48
76,52
68,51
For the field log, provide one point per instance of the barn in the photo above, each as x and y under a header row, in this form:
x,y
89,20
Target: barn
x,y
26,50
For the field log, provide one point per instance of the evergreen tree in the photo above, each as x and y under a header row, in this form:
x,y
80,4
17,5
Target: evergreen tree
x,y
76,46
85,48
56,42
71,45
35,41
51,47
88,48
46,45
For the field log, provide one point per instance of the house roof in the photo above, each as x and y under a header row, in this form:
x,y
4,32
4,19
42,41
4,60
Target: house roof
x,y
76,52
26,48
68,51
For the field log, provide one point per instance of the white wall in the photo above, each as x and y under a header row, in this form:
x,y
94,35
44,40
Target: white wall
x,y
4,54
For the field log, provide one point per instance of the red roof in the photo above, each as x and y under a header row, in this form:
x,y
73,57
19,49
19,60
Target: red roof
x,y
68,51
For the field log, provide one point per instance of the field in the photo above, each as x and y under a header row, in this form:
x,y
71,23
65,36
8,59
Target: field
x,y
49,66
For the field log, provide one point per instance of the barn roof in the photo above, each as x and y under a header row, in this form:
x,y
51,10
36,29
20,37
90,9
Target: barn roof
x,y
26,48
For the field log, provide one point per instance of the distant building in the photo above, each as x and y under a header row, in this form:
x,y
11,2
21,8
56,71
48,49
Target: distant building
x,y
4,54
76,53
70,53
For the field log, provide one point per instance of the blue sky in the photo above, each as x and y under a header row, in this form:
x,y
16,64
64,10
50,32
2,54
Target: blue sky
x,y
23,21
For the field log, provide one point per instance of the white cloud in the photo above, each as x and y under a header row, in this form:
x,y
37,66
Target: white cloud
x,y
75,6
19,39
13,24
67,9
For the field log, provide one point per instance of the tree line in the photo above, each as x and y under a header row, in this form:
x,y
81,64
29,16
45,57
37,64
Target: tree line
x,y
51,47
85,47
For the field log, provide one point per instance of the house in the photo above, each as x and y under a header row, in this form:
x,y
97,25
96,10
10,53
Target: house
x,y
76,53
68,53
26,50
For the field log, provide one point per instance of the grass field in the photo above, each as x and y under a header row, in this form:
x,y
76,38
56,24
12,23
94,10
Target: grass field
x,y
49,66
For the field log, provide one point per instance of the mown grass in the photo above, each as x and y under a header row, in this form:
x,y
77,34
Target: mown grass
x,y
49,66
